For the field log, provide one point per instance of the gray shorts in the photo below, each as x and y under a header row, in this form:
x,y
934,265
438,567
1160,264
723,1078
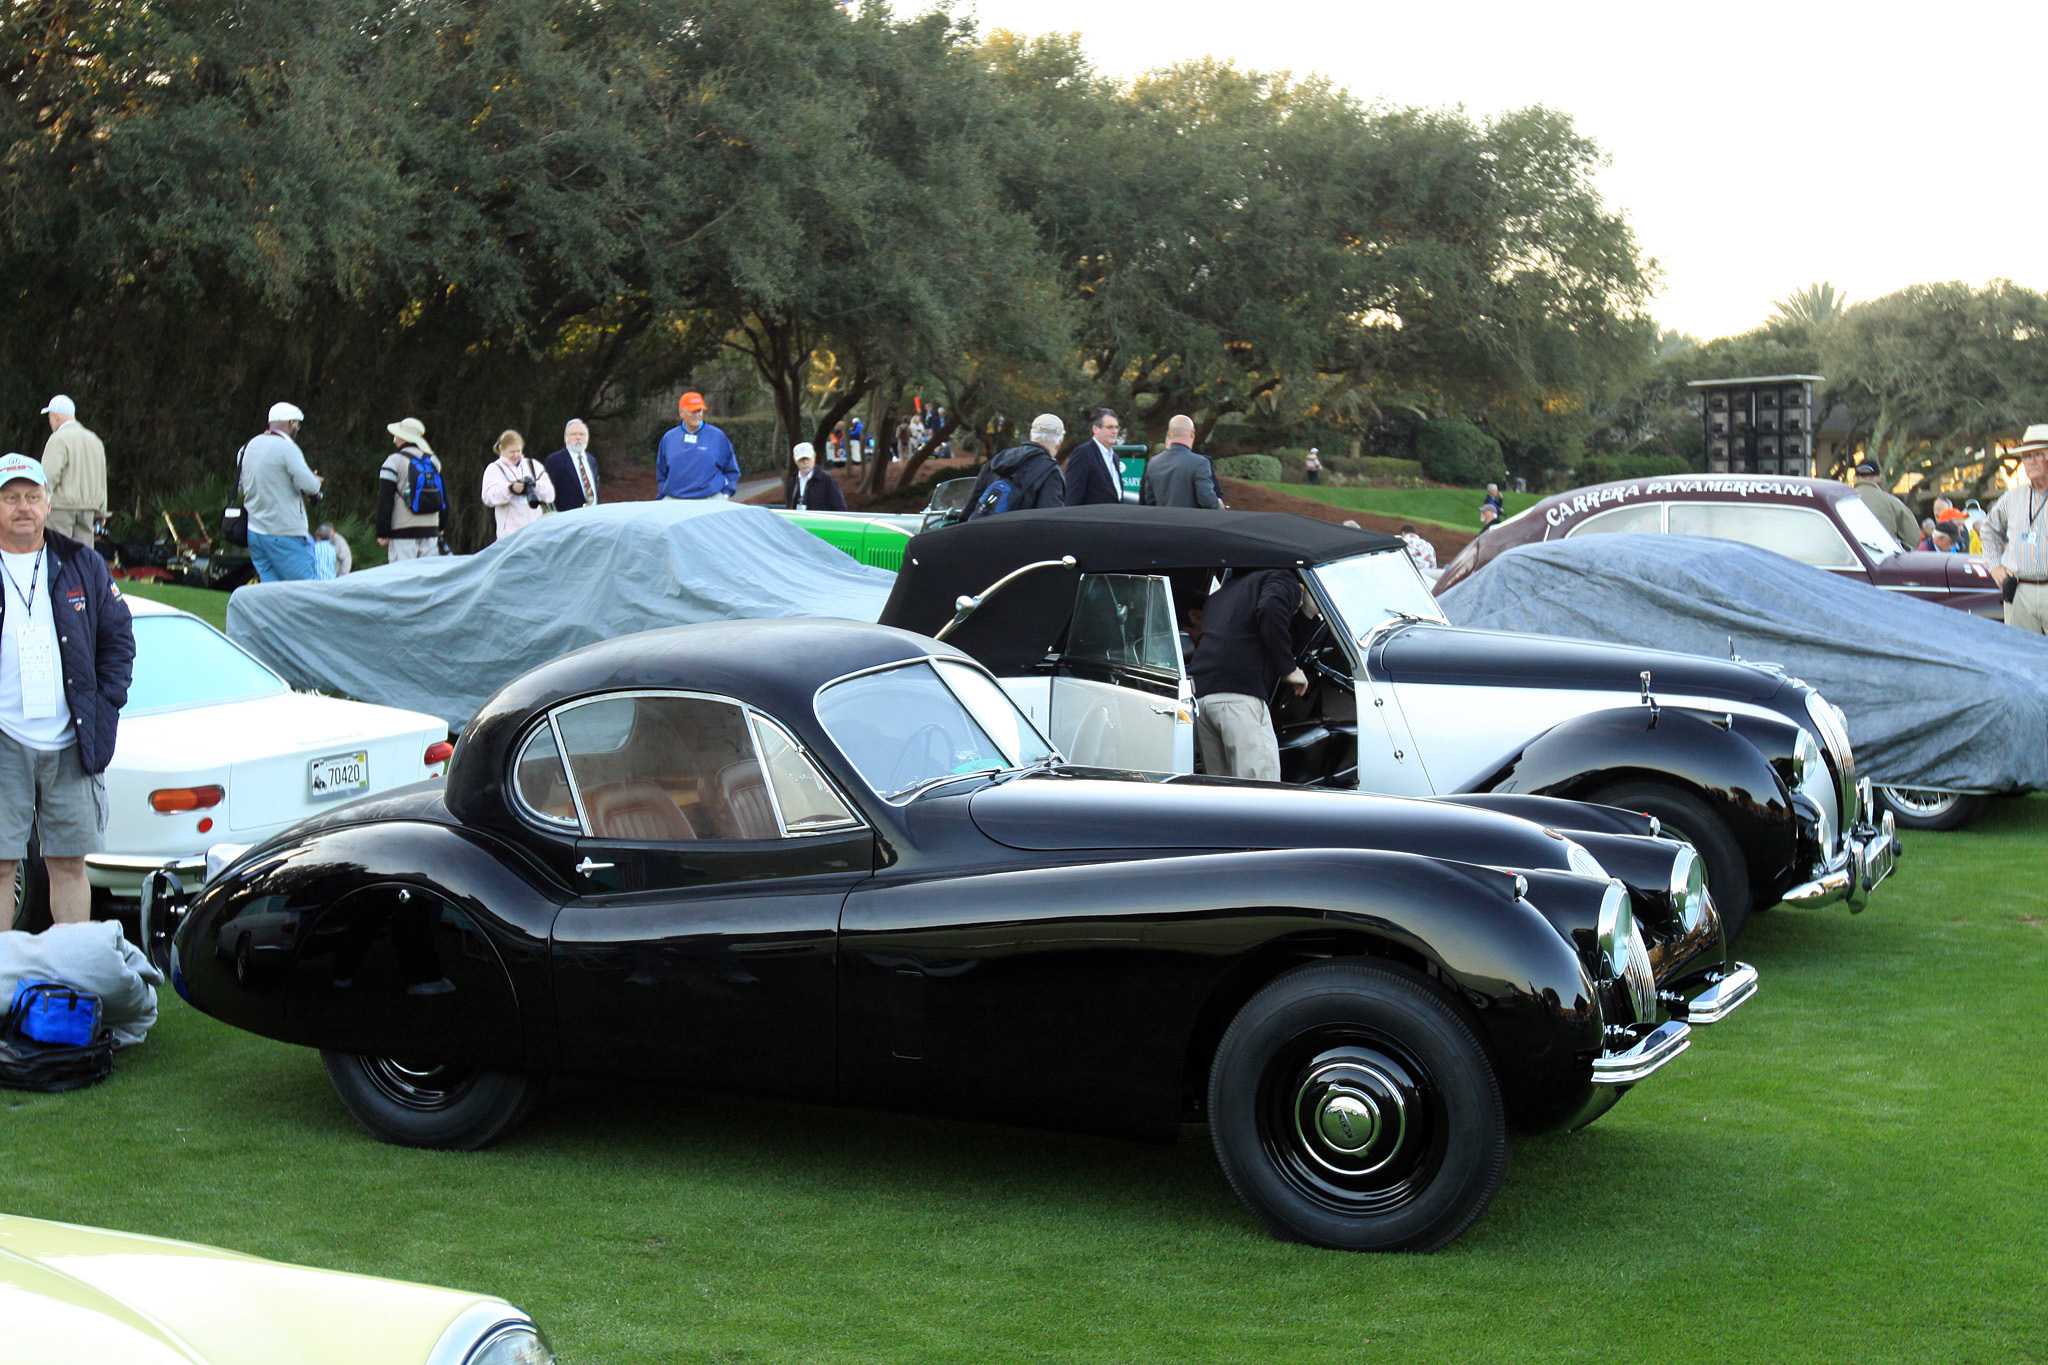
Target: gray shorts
x,y
51,789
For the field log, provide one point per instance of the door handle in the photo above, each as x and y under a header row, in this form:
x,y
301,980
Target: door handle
x,y
1164,710
586,867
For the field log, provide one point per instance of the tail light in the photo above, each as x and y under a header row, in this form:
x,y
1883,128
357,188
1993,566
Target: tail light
x,y
170,800
439,752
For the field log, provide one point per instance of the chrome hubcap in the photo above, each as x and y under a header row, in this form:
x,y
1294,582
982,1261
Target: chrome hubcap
x,y
1351,1121
1351,1117
426,1087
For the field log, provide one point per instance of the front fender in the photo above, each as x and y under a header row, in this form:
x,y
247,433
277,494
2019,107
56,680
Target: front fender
x,y
1650,743
340,940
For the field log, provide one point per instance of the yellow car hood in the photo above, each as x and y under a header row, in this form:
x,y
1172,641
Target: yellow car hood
x,y
74,1293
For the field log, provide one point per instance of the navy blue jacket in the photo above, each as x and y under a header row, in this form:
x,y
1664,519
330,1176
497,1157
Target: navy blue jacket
x,y
1088,478
562,474
95,644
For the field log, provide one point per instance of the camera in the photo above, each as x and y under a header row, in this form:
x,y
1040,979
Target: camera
x,y
532,496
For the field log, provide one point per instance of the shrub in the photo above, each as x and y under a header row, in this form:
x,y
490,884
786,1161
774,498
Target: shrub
x,y
1456,452
1259,468
1608,468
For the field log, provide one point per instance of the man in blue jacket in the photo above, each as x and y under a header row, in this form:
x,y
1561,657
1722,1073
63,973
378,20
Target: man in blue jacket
x,y
695,460
67,652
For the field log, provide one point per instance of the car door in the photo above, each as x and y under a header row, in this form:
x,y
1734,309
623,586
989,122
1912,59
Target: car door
x,y
712,860
1120,696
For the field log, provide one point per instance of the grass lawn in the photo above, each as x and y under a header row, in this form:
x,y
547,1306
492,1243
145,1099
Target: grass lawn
x,y
205,603
1850,1169
1457,508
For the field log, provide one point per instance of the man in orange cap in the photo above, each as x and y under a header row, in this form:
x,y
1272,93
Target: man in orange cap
x,y
695,459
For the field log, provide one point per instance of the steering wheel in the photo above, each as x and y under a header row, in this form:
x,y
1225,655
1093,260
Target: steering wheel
x,y
927,753
1315,658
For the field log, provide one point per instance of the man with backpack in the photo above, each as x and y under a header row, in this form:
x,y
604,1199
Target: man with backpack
x,y
410,494
1023,477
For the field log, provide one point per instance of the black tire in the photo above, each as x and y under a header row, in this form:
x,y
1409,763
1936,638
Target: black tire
x,y
1691,821
1930,810
32,889
425,1104
1354,1041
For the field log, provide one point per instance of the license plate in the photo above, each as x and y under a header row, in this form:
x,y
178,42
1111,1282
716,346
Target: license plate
x,y
338,775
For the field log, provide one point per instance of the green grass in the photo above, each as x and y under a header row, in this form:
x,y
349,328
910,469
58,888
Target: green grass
x,y
206,604
1850,1169
1457,508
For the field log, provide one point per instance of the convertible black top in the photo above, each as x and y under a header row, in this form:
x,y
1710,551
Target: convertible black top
x,y
958,561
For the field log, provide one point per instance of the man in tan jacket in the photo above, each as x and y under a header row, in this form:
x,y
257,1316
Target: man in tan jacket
x,y
75,463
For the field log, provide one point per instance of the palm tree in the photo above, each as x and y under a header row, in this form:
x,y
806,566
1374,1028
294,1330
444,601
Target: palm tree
x,y
1813,307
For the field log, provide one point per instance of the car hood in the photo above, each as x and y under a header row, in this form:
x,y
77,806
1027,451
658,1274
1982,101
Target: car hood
x,y
1425,652
1078,809
261,727
74,1293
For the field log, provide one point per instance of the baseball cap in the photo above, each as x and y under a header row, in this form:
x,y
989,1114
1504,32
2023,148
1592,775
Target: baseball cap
x,y
62,404
1866,467
14,467
285,412
1048,424
690,402
804,451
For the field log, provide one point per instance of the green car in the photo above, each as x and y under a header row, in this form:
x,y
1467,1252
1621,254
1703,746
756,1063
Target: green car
x,y
877,539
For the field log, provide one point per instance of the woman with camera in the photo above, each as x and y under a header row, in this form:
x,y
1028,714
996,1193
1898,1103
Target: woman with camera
x,y
516,488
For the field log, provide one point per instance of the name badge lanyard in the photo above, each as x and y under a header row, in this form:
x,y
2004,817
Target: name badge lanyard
x,y
38,664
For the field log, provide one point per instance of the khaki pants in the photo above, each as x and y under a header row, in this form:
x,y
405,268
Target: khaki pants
x,y
2029,608
1236,735
75,522
411,547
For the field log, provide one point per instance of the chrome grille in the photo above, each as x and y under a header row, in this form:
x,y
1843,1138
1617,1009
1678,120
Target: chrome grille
x,y
1834,737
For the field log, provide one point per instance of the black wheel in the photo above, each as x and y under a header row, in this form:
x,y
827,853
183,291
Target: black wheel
x,y
32,889
1689,820
1354,1108
1919,809
431,1104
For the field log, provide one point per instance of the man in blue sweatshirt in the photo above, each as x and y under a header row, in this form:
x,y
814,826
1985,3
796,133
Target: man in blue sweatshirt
x,y
695,460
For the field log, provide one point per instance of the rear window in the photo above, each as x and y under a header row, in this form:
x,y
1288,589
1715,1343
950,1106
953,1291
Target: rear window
x,y
1795,532
183,662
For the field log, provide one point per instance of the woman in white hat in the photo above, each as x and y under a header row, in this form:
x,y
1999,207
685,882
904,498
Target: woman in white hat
x,y
411,495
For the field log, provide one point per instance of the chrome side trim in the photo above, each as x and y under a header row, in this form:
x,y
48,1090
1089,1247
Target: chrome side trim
x,y
1724,997
116,862
1666,1041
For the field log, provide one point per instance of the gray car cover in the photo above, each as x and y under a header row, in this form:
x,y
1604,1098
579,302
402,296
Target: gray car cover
x,y
1935,697
93,957
441,635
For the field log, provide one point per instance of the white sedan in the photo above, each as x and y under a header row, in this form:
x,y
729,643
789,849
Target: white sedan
x,y
216,748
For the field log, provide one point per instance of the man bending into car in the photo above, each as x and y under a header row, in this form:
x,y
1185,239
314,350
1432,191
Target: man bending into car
x,y
1246,648
67,651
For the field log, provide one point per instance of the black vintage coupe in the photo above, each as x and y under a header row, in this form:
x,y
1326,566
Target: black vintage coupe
x,y
826,859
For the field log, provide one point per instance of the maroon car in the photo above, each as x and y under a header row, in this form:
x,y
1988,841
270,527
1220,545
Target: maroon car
x,y
1816,521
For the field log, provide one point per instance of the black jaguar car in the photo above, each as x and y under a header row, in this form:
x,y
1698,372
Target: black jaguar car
x,y
1082,613
831,860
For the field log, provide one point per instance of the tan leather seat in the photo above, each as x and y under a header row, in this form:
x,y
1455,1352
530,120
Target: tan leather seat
x,y
746,796
635,810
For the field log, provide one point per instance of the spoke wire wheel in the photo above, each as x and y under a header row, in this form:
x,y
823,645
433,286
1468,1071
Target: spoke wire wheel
x,y
1920,809
423,1087
1351,1121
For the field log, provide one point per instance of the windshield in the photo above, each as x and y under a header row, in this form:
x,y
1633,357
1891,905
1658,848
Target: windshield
x,y
183,662
1866,530
905,727
1369,589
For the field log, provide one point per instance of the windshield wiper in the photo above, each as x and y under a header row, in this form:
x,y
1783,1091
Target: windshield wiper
x,y
917,787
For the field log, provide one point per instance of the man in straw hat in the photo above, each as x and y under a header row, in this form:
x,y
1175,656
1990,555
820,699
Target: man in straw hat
x,y
411,495
2015,535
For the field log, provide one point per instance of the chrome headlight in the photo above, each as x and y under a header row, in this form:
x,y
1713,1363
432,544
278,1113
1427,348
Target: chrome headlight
x,y
1689,890
1624,956
1812,779
492,1334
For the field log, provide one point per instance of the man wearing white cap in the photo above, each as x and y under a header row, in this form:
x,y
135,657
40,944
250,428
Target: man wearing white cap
x,y
75,462
410,494
2015,535
67,653
809,487
275,483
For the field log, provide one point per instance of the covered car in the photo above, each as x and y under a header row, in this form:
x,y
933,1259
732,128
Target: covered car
x,y
440,635
833,861
1943,706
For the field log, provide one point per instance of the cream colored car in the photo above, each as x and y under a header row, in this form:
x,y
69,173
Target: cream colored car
x,y
111,1298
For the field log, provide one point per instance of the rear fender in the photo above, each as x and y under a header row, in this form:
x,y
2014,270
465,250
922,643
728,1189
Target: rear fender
x,y
1664,744
339,940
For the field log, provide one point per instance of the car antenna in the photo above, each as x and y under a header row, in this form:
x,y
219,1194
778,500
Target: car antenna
x,y
1649,700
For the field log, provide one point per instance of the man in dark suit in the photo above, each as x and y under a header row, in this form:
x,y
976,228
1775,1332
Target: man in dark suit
x,y
811,488
572,470
1177,476
1092,472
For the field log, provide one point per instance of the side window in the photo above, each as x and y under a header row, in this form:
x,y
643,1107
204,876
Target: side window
x,y
1124,621
1643,516
666,768
1796,532
807,800
542,785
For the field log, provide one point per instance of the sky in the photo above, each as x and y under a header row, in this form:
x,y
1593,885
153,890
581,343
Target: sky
x,y
1756,148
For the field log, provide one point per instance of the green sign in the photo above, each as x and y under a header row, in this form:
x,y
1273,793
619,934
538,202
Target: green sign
x,y
1130,461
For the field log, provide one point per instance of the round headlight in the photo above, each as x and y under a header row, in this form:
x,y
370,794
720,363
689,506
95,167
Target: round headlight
x,y
1580,859
1623,954
1689,890
1806,756
513,1344
491,1332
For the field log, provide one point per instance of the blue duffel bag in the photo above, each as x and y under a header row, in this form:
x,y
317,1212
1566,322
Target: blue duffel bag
x,y
53,1039
52,1012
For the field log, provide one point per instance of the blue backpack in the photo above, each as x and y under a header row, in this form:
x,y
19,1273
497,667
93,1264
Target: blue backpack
x,y
994,500
427,496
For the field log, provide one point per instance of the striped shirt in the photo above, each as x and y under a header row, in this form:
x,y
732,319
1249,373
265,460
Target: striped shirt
x,y
2015,533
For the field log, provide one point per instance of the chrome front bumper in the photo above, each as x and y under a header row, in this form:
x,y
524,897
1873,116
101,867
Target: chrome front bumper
x,y
1868,854
1659,1046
